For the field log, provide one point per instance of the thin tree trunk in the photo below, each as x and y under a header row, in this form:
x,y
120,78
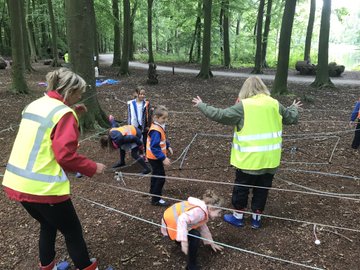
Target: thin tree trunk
x,y
30,32
117,42
266,34
205,71
198,44
132,21
227,58
309,31
149,29
322,72
17,44
94,29
221,32
26,49
258,67
280,83
197,28
124,69
78,19
54,34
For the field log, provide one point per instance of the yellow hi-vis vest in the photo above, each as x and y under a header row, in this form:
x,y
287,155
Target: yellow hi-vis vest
x,y
172,214
32,167
258,144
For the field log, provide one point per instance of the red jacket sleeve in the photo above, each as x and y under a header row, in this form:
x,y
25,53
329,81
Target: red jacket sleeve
x,y
65,143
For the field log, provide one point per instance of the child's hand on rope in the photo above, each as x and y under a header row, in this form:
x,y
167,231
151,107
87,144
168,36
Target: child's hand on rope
x,y
184,247
80,109
166,162
100,168
197,100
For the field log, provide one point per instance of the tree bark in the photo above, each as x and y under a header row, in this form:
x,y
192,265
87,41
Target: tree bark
x,y
54,34
30,32
259,23
266,34
309,31
17,44
280,83
124,68
132,21
149,31
78,19
322,78
205,71
197,29
28,66
226,34
117,42
94,29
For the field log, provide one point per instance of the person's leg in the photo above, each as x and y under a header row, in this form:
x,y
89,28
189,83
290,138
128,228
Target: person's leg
x,y
260,194
47,235
63,216
140,160
157,183
240,193
356,141
194,244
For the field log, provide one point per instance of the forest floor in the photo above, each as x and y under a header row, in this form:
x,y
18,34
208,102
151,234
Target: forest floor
x,y
319,143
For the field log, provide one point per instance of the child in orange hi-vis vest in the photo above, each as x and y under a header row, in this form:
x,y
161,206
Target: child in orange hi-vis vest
x,y
157,150
185,221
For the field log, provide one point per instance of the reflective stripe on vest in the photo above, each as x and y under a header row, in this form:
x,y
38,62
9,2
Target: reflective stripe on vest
x,y
126,130
171,216
149,153
258,144
32,167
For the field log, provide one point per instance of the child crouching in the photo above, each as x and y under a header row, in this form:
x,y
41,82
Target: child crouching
x,y
185,221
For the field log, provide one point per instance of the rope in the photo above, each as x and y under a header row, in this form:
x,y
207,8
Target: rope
x,y
323,173
199,237
10,128
232,210
241,185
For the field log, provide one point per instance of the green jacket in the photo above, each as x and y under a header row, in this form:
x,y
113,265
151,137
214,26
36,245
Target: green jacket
x,y
234,116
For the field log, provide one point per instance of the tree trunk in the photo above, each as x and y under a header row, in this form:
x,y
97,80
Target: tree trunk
x,y
117,42
124,69
226,34
266,34
17,44
221,32
280,83
198,43
309,31
322,73
205,71
149,29
94,29
28,66
78,19
54,34
197,28
132,21
43,30
30,32
258,67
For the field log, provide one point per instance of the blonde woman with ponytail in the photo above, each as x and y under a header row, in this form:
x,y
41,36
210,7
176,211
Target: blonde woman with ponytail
x,y
256,149
44,150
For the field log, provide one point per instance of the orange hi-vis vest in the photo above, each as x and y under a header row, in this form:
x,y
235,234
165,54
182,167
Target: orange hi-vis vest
x,y
172,214
125,130
158,128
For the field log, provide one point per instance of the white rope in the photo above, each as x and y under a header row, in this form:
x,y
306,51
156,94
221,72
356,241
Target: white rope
x,y
10,128
232,210
94,135
333,151
322,173
187,150
241,185
199,237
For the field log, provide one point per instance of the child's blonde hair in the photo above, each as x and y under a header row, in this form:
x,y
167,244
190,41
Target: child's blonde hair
x,y
160,111
253,86
210,198
65,82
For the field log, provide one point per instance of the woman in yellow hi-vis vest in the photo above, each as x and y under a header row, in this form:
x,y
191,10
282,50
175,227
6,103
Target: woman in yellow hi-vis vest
x,y
256,146
45,147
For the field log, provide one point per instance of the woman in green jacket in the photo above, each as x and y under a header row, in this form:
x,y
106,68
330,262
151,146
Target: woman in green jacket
x,y
256,146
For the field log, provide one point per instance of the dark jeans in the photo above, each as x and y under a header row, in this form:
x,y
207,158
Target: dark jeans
x,y
240,194
135,156
62,217
356,141
157,183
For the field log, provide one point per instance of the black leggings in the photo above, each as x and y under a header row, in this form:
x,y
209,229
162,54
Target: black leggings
x,y
356,141
240,193
62,217
157,183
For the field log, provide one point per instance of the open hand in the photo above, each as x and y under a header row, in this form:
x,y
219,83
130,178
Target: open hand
x,y
297,104
197,100
166,162
80,109
216,247
100,168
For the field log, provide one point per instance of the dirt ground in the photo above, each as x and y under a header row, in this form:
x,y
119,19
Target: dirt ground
x,y
126,243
